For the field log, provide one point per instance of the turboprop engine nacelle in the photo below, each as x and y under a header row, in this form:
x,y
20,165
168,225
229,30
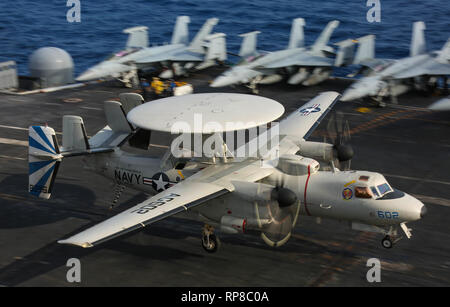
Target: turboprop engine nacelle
x,y
316,150
260,192
295,165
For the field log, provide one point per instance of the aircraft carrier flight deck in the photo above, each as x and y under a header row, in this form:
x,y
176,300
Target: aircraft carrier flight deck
x,y
406,142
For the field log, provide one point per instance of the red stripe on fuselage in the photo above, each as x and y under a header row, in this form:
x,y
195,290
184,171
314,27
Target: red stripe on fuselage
x,y
304,195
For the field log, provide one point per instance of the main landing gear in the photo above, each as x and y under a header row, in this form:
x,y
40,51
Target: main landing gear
x,y
210,242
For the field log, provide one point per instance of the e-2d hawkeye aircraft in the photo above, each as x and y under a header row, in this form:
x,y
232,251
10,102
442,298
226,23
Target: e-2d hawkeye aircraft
x,y
302,65
180,55
262,191
391,78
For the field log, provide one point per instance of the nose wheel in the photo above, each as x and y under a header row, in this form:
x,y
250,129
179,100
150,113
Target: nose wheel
x,y
387,242
210,242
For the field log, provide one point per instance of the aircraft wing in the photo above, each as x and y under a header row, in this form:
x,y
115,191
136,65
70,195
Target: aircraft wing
x,y
430,68
301,123
376,64
302,59
187,56
184,56
178,198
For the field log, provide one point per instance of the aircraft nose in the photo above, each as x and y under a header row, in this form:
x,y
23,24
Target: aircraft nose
x,y
219,82
423,211
88,75
349,94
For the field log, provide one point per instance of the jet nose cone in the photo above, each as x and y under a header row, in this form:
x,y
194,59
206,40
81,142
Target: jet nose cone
x,y
423,211
88,75
349,95
219,82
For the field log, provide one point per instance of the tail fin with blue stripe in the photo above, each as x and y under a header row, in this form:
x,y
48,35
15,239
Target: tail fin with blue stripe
x,y
43,160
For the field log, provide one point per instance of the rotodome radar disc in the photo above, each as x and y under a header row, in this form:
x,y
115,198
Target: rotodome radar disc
x,y
206,113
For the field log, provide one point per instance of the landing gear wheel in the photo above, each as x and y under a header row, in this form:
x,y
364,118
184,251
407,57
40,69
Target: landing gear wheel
x,y
210,243
387,242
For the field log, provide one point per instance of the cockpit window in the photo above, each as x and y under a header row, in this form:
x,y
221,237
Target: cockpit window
x,y
375,191
362,192
384,188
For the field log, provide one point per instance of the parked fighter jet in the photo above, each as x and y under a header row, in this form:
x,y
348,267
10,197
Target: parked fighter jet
x,y
441,105
262,191
203,49
303,65
390,78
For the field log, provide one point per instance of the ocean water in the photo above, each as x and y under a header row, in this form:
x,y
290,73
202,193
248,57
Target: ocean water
x,y
28,25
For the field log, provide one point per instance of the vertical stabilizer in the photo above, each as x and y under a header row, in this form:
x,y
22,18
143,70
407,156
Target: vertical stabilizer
x,y
418,45
248,46
297,38
197,42
366,49
43,160
74,134
444,55
180,33
137,37
345,53
217,48
324,38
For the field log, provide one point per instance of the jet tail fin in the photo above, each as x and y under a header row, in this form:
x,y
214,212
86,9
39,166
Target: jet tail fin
x,y
137,37
345,53
418,45
43,160
444,55
324,37
197,43
181,31
44,154
297,38
217,47
366,49
248,46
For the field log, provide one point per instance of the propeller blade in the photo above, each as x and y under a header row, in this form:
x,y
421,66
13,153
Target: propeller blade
x,y
282,221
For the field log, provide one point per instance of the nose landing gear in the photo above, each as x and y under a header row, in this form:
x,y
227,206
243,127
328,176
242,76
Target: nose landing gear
x,y
210,242
389,241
